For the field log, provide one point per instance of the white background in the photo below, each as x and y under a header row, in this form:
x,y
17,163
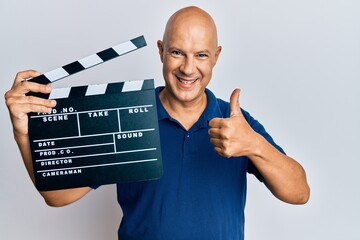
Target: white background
x,y
297,63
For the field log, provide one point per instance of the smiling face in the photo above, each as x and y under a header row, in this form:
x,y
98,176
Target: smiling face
x,y
189,52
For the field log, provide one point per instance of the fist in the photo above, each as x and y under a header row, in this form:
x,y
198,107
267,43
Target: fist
x,y
232,136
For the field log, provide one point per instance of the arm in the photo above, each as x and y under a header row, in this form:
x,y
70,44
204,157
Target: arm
x,y
19,105
283,176
233,136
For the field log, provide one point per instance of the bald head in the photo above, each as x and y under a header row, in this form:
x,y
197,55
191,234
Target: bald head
x,y
190,18
189,52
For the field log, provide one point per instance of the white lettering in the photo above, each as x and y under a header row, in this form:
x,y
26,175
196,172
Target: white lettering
x,y
53,111
98,114
56,162
138,110
129,135
46,144
62,151
66,110
55,118
47,153
62,172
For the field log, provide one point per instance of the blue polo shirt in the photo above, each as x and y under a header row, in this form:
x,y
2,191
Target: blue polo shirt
x,y
201,195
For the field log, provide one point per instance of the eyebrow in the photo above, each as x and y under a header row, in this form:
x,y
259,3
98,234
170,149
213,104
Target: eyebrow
x,y
203,51
197,52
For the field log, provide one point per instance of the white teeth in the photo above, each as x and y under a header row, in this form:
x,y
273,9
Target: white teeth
x,y
186,82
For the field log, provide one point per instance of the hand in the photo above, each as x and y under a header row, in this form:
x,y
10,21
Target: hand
x,y
233,136
20,105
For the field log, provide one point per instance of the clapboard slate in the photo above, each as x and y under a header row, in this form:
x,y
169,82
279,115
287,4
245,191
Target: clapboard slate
x,y
97,135
90,61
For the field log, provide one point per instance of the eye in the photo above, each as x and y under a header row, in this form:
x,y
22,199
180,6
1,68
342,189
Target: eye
x,y
176,53
202,55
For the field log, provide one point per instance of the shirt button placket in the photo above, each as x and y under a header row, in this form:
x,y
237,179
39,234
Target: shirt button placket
x,y
186,145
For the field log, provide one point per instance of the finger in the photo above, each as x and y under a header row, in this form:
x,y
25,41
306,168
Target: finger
x,y
214,132
24,75
217,142
221,152
48,103
40,108
221,147
24,108
221,133
234,103
215,123
31,103
24,87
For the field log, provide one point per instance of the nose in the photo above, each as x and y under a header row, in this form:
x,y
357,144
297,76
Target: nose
x,y
188,66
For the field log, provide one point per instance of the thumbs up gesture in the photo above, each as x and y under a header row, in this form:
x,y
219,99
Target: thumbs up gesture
x,y
233,136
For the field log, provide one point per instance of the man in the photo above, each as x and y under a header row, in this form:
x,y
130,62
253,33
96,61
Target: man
x,y
208,146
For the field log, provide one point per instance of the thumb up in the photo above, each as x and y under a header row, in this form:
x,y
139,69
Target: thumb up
x,y
232,136
235,104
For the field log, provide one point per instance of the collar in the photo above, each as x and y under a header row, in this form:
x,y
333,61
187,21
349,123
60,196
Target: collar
x,y
212,109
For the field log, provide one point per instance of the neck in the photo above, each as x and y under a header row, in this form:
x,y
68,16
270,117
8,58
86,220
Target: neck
x,y
186,113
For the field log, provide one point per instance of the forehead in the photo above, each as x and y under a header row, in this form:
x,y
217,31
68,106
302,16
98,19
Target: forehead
x,y
191,36
190,28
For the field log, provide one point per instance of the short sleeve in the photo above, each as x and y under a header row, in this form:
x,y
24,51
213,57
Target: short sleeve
x,y
259,128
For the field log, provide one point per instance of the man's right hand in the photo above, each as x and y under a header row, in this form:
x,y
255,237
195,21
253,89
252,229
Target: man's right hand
x,y
20,105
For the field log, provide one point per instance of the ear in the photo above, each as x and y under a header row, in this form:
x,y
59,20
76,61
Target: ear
x,y
217,53
161,50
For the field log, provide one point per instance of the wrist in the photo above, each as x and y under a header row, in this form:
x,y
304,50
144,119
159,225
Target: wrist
x,y
21,138
258,146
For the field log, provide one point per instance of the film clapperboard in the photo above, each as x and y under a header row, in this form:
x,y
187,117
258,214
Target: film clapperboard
x,y
97,134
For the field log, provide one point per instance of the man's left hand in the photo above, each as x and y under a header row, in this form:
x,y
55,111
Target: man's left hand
x,y
233,136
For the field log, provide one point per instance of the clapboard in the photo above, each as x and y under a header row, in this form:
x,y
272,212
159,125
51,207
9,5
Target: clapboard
x,y
97,134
